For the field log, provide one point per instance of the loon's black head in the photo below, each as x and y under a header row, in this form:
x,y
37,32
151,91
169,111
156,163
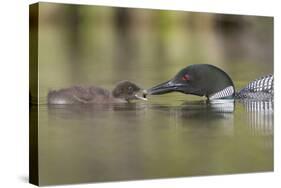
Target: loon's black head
x,y
199,79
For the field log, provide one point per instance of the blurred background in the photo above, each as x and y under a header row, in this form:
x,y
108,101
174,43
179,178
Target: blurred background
x,y
170,135
92,45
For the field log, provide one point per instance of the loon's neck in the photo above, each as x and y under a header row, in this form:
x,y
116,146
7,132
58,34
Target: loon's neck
x,y
226,93
259,89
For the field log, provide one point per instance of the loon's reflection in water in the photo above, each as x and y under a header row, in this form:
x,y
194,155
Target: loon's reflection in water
x,y
138,140
224,118
199,116
260,118
259,114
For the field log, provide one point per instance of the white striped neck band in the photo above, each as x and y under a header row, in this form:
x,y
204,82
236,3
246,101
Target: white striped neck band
x,y
226,92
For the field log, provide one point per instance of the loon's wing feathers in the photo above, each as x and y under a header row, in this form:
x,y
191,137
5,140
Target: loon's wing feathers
x,y
261,88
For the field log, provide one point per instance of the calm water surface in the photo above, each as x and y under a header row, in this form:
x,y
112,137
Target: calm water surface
x,y
84,143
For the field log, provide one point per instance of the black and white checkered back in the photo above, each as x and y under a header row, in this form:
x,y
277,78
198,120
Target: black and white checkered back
x,y
264,84
261,88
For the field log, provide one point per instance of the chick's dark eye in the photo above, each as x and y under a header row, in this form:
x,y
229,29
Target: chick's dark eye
x,y
185,77
130,88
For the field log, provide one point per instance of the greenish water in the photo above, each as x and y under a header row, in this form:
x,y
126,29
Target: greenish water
x,y
86,143
167,136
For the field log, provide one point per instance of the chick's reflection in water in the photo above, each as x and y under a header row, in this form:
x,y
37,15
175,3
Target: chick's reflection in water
x,y
96,111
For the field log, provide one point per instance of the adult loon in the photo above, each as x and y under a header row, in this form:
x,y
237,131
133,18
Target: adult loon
x,y
212,82
124,91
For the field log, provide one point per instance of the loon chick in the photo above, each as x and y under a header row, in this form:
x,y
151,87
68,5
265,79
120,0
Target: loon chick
x,y
212,82
124,91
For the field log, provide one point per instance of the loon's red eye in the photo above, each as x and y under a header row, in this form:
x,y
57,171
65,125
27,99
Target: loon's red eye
x,y
185,77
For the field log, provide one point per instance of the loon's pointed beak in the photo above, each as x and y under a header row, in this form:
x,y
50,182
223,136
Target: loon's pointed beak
x,y
165,87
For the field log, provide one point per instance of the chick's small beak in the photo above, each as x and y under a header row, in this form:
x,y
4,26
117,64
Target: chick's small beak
x,y
144,93
139,95
141,98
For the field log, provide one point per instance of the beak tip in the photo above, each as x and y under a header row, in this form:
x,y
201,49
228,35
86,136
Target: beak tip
x,y
141,98
144,93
